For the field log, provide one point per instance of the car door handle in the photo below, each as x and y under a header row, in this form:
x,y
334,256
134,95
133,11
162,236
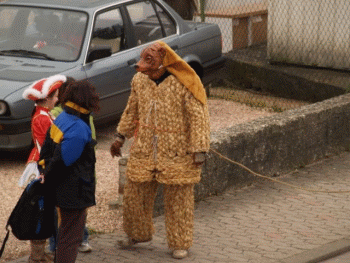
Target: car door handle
x,y
132,62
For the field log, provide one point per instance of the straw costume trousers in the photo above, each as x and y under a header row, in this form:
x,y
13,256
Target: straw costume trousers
x,y
179,212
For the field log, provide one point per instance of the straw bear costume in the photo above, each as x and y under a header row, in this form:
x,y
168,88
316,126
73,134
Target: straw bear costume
x,y
170,123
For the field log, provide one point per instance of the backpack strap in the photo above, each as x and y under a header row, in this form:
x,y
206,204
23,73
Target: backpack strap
x,y
5,240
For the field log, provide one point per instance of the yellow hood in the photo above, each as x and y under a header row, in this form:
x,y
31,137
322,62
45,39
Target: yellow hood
x,y
184,73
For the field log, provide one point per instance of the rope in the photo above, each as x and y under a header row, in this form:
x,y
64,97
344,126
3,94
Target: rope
x,y
278,181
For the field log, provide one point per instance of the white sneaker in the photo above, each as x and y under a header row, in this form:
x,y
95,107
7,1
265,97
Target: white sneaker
x,y
85,247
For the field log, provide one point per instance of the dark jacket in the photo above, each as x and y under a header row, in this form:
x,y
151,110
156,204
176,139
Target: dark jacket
x,y
67,160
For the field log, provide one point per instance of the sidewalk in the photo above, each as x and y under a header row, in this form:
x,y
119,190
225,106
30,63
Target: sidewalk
x,y
263,223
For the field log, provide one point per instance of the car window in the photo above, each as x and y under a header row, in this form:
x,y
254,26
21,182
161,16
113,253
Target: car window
x,y
73,29
8,16
168,24
109,31
41,33
145,22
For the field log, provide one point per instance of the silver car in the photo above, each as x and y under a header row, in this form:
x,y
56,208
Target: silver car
x,y
96,40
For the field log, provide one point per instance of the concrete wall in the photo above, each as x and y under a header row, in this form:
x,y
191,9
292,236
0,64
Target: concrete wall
x,y
274,145
287,82
277,144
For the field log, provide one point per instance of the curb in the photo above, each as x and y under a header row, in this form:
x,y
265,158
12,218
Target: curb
x,y
321,253
249,68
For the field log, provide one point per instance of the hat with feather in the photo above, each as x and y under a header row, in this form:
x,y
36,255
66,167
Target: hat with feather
x,y
44,87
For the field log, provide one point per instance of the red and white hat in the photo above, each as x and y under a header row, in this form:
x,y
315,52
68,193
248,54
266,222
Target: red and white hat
x,y
42,88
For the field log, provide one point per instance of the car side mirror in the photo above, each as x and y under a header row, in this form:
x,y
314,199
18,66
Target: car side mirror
x,y
98,52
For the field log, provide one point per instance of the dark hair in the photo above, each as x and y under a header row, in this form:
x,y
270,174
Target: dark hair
x,y
62,89
83,94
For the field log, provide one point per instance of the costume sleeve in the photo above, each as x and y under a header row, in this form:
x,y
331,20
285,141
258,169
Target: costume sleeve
x,y
92,126
130,117
199,123
40,126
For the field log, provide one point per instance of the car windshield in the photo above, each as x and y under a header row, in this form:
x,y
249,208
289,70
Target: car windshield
x,y
52,34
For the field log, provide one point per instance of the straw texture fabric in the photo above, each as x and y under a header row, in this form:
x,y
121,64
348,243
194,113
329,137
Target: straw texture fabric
x,y
169,125
138,204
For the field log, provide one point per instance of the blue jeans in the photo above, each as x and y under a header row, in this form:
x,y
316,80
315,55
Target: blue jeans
x,y
86,235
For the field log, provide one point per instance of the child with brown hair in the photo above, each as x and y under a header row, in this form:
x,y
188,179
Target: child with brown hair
x,y
57,110
67,161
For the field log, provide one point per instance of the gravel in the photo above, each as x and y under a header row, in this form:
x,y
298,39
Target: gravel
x,y
101,219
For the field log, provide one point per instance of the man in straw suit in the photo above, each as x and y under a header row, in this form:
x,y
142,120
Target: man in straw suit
x,y
167,115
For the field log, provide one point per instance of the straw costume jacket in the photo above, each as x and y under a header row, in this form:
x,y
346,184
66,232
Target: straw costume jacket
x,y
169,125
167,114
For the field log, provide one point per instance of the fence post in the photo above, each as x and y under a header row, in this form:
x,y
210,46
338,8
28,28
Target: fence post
x,y
202,7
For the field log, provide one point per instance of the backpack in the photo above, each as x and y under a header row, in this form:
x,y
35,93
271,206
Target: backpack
x,y
33,216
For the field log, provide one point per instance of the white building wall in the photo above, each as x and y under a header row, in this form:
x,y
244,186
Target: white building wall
x,y
216,4
225,24
310,32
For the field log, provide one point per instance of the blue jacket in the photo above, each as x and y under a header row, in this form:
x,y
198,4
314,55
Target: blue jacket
x,y
67,159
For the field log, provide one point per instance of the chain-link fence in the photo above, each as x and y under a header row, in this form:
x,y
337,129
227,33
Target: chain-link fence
x,y
310,33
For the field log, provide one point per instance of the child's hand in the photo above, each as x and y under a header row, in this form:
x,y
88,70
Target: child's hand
x,y
42,178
